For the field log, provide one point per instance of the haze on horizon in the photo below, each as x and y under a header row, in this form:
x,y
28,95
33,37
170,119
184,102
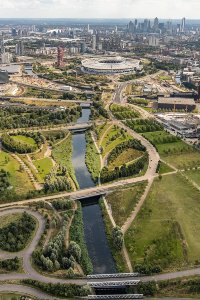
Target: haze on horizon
x,y
168,9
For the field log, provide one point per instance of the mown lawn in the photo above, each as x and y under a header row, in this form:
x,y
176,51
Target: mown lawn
x,y
166,231
194,175
18,178
183,160
24,140
164,168
123,201
44,167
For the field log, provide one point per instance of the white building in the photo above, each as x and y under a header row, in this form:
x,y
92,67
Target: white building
x,y
153,41
6,58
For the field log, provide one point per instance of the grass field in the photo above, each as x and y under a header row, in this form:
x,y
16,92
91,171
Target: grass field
x,y
173,150
166,231
24,140
194,175
113,138
183,160
62,154
123,201
164,168
92,158
18,178
100,130
6,220
44,167
125,157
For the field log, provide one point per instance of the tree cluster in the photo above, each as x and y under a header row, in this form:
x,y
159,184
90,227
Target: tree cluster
x,y
11,145
57,181
123,171
62,204
131,144
12,264
77,235
58,289
142,125
15,235
25,117
118,238
98,110
4,180
123,113
138,101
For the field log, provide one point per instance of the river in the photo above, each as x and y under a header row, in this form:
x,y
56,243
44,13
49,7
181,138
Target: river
x,y
94,229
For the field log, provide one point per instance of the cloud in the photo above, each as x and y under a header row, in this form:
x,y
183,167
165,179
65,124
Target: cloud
x,y
100,8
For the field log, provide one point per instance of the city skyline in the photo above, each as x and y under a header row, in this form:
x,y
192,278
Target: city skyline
x,y
100,9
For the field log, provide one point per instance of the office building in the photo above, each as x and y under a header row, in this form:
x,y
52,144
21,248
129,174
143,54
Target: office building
x,y
19,48
153,41
94,42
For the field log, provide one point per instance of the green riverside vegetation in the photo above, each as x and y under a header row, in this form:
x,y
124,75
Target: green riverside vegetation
x,y
77,235
92,158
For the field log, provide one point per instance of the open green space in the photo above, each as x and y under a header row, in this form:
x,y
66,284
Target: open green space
x,y
7,219
187,287
62,154
117,255
15,236
127,156
18,178
92,158
123,113
100,130
164,168
44,167
183,160
123,201
166,231
114,137
24,140
194,175
14,296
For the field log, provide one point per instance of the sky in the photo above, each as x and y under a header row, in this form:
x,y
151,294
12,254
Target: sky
x,y
168,9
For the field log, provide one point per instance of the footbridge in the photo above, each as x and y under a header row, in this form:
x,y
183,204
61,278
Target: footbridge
x,y
111,284
117,275
113,297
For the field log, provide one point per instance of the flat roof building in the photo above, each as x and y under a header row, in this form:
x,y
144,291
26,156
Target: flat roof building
x,y
187,104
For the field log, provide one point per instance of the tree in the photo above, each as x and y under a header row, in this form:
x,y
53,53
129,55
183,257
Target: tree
x,y
75,250
118,238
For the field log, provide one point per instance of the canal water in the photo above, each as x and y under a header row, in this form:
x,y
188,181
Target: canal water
x,y
94,229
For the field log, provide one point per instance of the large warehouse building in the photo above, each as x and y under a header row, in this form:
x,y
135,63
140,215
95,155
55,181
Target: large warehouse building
x,y
173,104
110,65
4,78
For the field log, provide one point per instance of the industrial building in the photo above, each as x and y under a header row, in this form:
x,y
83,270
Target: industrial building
x,y
4,78
186,104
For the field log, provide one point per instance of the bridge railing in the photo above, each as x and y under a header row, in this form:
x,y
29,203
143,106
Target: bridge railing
x,y
117,275
112,297
113,283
